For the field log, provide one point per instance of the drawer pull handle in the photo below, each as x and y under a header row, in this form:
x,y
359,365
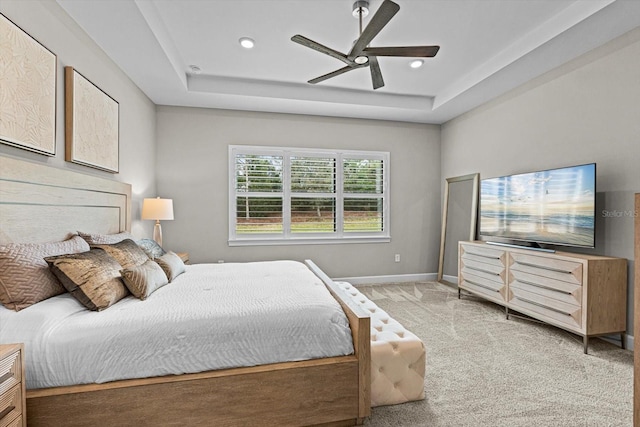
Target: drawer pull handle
x,y
542,267
484,256
543,306
5,377
538,285
484,271
6,412
480,285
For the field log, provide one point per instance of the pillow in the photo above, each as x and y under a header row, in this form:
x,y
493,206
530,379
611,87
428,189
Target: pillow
x,y
105,239
24,276
127,253
151,248
171,264
144,279
92,277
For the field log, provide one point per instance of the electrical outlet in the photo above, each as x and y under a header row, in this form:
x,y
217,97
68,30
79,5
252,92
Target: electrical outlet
x,y
397,257
220,261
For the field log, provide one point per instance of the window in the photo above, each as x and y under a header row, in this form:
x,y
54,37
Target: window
x,y
284,195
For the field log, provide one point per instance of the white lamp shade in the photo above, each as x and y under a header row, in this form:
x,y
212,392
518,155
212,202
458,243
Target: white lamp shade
x,y
157,209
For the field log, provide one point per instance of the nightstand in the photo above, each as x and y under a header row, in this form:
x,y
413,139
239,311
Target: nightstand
x,y
13,398
184,256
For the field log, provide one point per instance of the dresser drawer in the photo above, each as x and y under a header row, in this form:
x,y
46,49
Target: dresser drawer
x,y
569,315
491,294
549,268
16,423
573,298
484,284
495,270
563,291
484,251
10,405
10,371
467,257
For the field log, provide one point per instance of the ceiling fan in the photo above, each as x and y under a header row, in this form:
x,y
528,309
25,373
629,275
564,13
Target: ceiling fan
x,y
360,54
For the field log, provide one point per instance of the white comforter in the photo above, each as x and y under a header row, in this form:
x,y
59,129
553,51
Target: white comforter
x,y
214,316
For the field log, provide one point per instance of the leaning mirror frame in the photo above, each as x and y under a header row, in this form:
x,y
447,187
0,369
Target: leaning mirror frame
x,y
475,177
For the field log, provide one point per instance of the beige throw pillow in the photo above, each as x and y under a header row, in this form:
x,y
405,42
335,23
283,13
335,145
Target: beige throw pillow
x,y
171,264
93,277
25,278
144,279
126,252
105,239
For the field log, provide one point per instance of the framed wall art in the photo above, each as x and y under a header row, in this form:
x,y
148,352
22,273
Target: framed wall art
x,y
91,124
28,95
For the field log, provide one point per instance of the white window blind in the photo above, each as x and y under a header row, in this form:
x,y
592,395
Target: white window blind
x,y
284,195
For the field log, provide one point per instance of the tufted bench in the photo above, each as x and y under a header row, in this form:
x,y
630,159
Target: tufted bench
x,y
397,356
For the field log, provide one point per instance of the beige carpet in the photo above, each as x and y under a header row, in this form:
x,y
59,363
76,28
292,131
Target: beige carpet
x,y
484,370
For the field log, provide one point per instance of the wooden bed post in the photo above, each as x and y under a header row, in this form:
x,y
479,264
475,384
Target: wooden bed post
x,y
361,335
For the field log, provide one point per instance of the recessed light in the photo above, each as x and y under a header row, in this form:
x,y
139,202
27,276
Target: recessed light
x,y
195,69
246,42
417,63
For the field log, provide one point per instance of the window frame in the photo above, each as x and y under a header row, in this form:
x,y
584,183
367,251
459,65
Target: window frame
x,y
286,237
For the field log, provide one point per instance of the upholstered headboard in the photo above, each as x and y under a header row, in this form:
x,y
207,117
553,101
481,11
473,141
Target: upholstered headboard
x,y
39,203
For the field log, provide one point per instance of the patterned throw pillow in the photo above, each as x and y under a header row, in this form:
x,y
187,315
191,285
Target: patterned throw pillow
x,y
171,264
151,248
127,253
105,239
92,277
144,279
25,278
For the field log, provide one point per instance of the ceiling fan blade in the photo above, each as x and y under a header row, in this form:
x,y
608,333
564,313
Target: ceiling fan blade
x,y
320,48
407,51
376,74
382,17
331,74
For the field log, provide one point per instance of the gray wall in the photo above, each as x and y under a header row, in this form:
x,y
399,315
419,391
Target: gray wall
x,y
585,111
51,26
193,170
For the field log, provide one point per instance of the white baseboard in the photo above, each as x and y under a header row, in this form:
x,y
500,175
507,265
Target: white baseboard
x,y
397,278
450,279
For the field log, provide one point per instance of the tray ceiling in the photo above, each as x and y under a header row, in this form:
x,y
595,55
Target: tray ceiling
x,y
487,48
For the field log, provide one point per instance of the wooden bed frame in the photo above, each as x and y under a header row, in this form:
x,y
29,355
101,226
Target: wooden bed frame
x,y
39,203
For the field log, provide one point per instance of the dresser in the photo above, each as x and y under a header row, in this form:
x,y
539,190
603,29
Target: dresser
x,y
584,294
12,386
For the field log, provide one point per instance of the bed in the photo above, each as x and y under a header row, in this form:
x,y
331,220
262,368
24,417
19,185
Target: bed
x,y
39,204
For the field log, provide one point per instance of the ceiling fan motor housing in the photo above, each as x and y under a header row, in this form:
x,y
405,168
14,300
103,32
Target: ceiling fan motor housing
x,y
360,7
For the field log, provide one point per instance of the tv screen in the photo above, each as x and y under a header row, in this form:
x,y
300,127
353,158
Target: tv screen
x,y
555,206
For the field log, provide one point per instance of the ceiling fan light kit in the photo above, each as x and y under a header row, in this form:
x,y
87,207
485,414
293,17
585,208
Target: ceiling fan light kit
x,y
361,55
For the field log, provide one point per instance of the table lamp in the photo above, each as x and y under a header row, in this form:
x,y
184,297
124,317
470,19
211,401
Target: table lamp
x,y
157,209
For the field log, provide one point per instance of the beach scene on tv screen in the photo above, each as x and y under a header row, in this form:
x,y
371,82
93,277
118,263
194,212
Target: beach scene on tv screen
x,y
554,206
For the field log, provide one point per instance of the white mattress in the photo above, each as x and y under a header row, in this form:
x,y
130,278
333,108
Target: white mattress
x,y
214,316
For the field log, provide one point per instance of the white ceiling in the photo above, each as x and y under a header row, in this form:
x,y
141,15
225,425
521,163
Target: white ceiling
x,y
487,48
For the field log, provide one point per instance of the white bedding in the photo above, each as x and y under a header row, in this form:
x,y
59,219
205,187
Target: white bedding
x,y
214,316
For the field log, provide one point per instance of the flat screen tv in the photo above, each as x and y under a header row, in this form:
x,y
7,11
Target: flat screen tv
x,y
553,207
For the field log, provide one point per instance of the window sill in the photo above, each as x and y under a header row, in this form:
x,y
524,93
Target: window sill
x,y
309,241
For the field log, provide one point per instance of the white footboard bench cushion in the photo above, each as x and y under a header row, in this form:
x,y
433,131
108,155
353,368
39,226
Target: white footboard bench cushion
x,y
397,356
